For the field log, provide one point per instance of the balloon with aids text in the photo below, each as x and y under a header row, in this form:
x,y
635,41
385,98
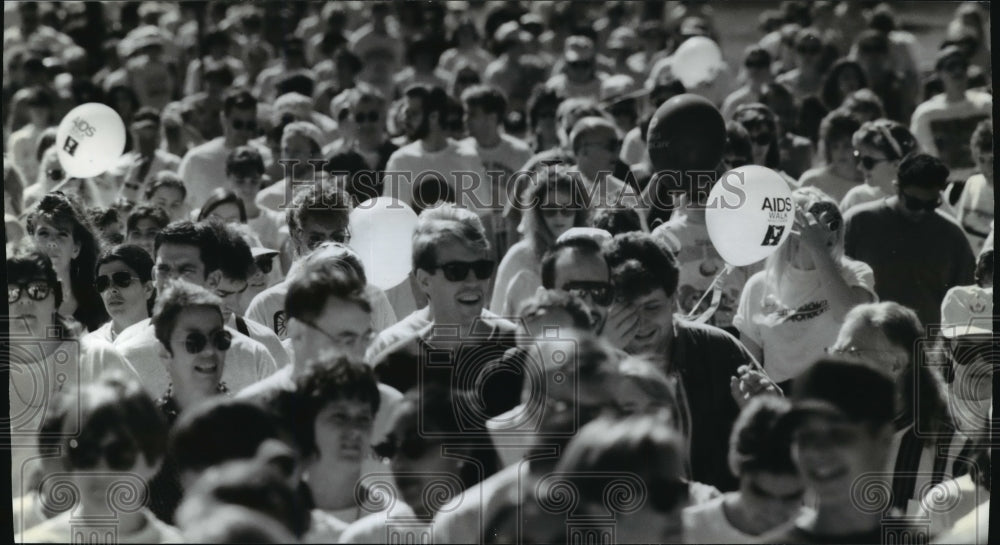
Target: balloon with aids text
x,y
749,214
686,134
90,139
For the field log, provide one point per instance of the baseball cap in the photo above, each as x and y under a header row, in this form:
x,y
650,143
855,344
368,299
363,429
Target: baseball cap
x,y
579,48
967,310
260,251
297,105
948,52
306,129
617,88
139,39
592,233
851,391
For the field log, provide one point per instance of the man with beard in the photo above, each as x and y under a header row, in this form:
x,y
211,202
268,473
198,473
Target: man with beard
x,y
431,152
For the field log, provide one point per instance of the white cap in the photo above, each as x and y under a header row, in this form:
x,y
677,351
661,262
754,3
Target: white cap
x,y
593,233
967,310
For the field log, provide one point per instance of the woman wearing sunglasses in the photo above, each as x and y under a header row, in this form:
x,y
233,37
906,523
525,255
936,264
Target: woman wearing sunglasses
x,y
761,125
551,207
113,440
46,355
60,229
429,468
124,280
188,323
879,147
792,309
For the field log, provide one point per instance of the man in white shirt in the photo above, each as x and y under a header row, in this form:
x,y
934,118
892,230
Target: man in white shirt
x,y
579,76
138,167
502,154
596,146
189,251
943,125
975,207
203,168
432,153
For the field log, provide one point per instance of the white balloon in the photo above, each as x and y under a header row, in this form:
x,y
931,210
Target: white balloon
x,y
382,235
695,60
90,139
749,214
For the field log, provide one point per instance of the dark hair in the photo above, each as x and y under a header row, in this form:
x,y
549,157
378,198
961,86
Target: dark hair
x,y
487,98
244,159
872,42
830,94
924,171
102,217
344,55
178,296
542,98
146,211
837,125
238,98
147,114
421,45
982,137
984,266
432,99
219,430
45,141
234,256
429,191
583,244
29,263
738,143
750,115
330,202
780,100
188,233
320,278
165,178
549,183
330,380
252,484
557,299
59,209
218,197
131,255
640,263
761,438
77,421
617,220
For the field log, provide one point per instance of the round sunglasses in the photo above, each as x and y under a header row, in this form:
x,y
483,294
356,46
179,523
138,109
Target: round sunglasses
x,y
457,271
600,293
119,454
120,279
196,341
37,290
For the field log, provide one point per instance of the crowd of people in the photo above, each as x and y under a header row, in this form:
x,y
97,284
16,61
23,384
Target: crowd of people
x,y
567,360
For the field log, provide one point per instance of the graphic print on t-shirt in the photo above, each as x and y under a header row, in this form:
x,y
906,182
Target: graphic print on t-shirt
x,y
279,324
783,314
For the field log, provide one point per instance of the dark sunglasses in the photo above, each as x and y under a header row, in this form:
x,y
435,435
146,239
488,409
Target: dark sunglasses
x,y
195,342
264,264
809,50
55,174
119,454
579,64
756,65
762,139
457,271
916,205
241,125
120,279
37,290
600,292
957,66
366,117
867,161
411,448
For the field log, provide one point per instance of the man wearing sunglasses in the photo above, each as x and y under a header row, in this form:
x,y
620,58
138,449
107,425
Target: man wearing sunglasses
x,y
124,281
807,77
916,252
579,76
596,147
718,373
191,252
203,168
365,112
452,267
944,123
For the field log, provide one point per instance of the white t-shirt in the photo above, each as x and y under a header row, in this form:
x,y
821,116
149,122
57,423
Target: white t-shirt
x,y
794,327
518,277
699,265
203,169
324,528
271,227
943,129
268,309
247,360
103,333
32,387
824,179
457,164
974,211
707,523
266,337
568,89
65,529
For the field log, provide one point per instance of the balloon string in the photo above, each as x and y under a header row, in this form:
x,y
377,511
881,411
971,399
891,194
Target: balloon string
x,y
711,289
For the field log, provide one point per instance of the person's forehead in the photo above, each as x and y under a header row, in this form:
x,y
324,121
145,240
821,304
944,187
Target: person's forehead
x,y
341,316
144,224
243,113
173,252
598,134
226,283
324,222
346,405
295,141
200,318
167,193
870,150
48,222
824,422
113,267
577,265
448,248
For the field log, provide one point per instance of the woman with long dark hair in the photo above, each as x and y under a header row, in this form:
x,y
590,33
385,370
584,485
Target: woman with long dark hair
x,y
61,230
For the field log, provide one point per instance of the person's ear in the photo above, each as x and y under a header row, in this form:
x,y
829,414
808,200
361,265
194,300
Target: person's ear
x,y
148,289
76,249
164,353
423,279
213,279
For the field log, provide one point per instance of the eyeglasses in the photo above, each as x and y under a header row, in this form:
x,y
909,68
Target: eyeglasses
x,y
867,161
119,454
195,342
457,271
120,279
37,291
264,264
917,205
347,339
55,174
240,125
366,117
600,293
412,448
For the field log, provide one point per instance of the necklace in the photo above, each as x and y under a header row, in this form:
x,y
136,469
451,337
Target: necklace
x,y
168,404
